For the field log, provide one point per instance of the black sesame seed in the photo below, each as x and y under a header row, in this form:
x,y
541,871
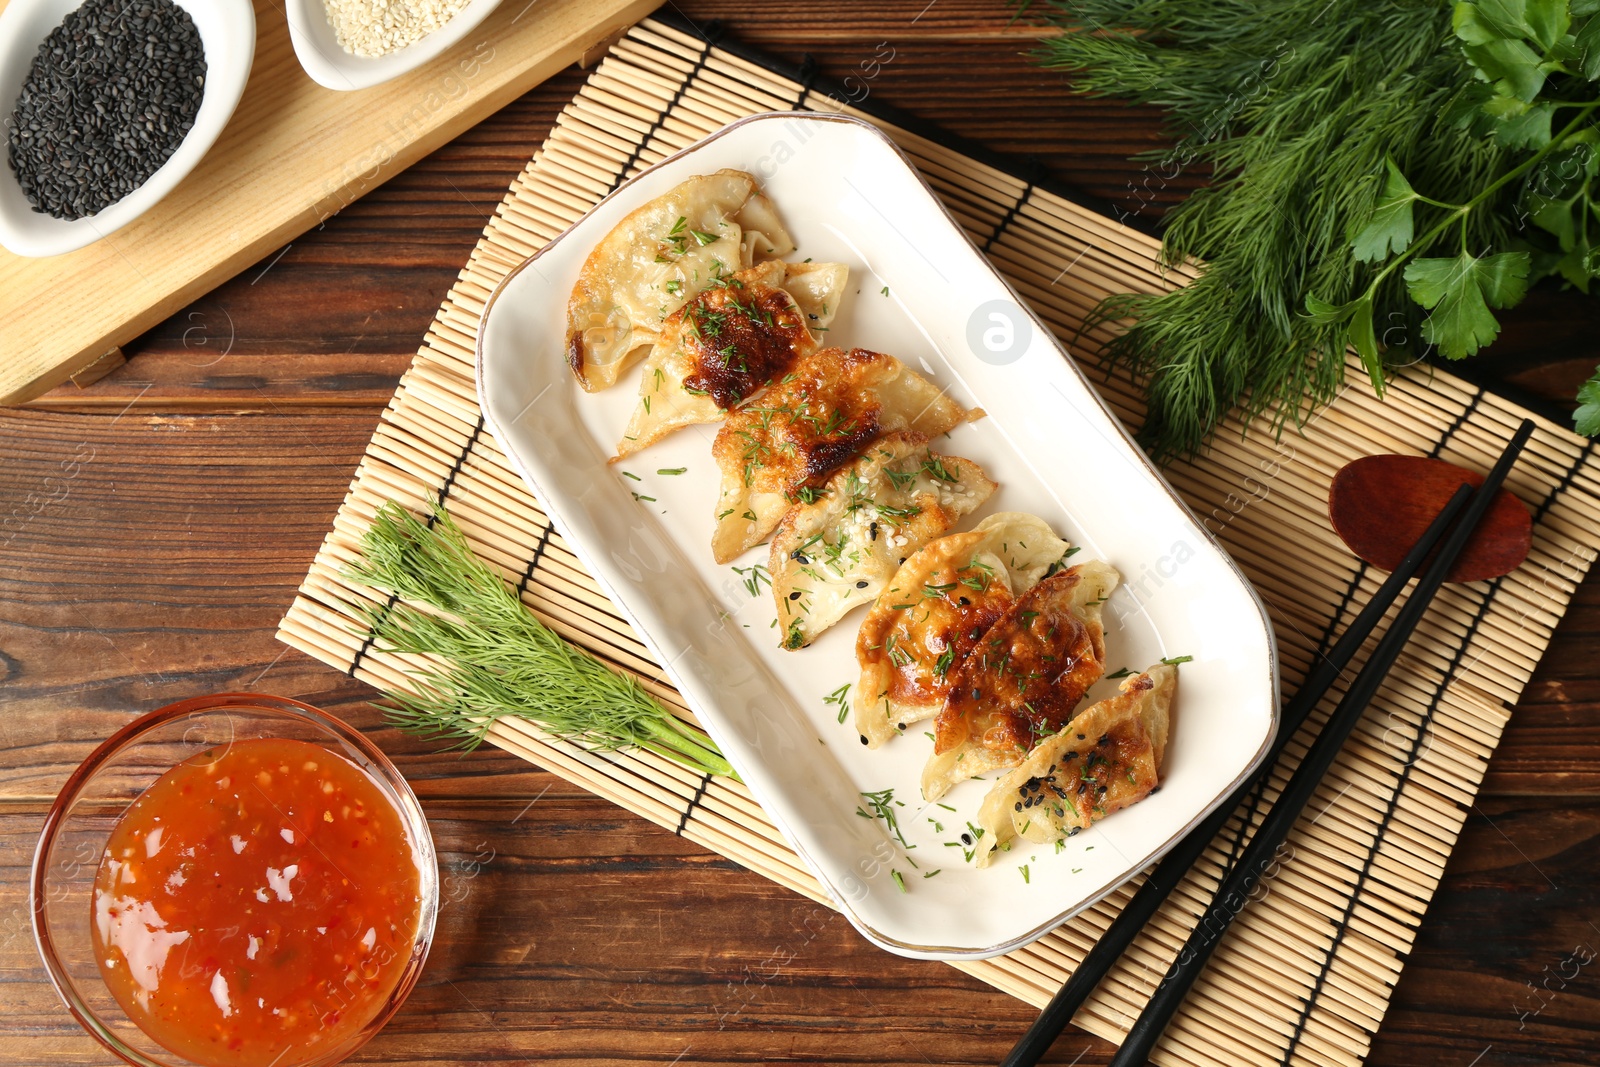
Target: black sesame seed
x,y
864,739
966,839
1017,806
99,113
795,595
862,584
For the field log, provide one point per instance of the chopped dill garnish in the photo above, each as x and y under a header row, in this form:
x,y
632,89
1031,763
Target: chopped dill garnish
x,y
883,804
755,577
840,698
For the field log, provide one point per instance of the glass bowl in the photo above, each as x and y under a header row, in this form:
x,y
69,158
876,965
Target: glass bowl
x,y
95,796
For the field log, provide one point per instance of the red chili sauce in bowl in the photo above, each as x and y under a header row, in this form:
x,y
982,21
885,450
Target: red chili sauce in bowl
x,y
257,904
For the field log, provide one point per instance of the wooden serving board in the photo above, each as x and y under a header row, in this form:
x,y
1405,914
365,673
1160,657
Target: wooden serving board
x,y
293,155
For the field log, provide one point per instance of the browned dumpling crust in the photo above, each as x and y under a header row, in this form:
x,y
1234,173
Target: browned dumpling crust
x,y
779,449
657,258
1024,679
935,610
933,613
1103,760
740,334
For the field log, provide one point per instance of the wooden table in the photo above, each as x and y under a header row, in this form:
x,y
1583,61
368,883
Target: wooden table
x,y
154,526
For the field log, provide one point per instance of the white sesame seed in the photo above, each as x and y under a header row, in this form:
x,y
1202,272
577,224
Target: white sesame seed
x,y
378,27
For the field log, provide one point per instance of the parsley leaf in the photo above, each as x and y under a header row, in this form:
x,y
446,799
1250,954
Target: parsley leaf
x,y
1356,329
1460,292
1587,418
1483,22
1390,228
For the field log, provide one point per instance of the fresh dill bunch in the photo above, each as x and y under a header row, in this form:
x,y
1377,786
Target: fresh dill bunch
x,y
497,658
1296,108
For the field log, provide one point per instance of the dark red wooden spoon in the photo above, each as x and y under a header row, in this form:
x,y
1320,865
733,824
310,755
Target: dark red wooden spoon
x,y
1380,505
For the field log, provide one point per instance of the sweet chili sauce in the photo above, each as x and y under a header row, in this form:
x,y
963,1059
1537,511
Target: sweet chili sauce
x,y
257,904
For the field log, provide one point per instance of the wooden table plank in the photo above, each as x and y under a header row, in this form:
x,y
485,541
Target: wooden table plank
x,y
572,932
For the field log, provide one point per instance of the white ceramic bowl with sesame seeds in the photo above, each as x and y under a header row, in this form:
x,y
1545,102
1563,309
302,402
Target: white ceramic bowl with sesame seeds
x,y
325,59
228,33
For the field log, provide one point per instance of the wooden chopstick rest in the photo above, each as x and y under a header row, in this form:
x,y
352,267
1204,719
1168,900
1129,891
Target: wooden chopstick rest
x,y
1379,506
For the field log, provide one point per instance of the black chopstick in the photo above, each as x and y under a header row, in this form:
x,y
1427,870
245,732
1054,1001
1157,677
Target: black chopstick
x,y
1246,875
1175,865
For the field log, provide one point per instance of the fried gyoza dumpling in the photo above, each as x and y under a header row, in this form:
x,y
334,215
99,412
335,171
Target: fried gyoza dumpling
x,y
777,450
735,336
1024,677
934,611
841,549
1104,760
656,258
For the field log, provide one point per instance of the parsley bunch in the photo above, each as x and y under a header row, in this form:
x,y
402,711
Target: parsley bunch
x,y
1385,174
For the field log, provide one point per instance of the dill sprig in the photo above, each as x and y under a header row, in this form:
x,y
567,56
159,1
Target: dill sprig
x,y
1297,109
497,658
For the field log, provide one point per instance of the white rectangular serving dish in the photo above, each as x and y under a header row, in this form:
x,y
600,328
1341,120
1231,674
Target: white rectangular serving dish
x,y
919,290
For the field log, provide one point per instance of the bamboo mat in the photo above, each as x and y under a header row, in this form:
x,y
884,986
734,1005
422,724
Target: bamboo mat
x,y
1305,974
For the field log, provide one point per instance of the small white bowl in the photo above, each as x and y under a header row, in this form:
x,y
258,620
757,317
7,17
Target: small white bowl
x,y
331,66
228,33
